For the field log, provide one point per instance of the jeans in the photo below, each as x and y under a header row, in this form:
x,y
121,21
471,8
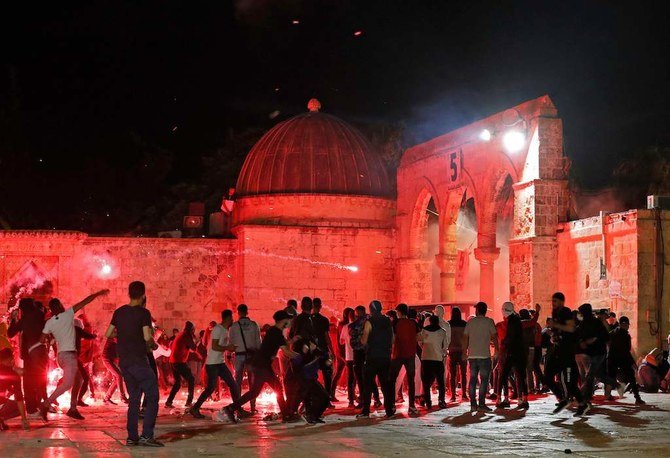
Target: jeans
x,y
242,366
378,368
262,375
457,363
214,372
141,379
67,360
479,368
179,371
35,377
432,371
408,364
117,381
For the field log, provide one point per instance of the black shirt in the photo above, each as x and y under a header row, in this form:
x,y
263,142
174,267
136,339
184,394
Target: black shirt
x,y
273,341
30,325
593,327
321,326
303,326
620,345
566,340
130,344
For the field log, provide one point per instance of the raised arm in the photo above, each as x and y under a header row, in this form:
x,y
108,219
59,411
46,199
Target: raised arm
x,y
87,300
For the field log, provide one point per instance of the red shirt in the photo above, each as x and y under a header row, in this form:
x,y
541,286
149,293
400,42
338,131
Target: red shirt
x,y
405,339
181,347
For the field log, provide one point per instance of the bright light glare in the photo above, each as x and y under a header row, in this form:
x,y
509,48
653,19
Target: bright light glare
x,y
514,141
485,135
353,268
106,269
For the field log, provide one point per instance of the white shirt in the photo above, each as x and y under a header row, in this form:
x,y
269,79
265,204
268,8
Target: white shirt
x,y
61,326
344,337
434,344
219,334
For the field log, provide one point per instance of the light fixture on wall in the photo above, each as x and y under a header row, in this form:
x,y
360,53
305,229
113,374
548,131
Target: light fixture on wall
x,y
514,141
485,135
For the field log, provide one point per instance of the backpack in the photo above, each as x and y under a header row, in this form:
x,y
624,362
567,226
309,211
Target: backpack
x,y
355,334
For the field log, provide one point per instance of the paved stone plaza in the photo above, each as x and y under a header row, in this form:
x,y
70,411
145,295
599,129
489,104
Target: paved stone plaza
x,y
611,429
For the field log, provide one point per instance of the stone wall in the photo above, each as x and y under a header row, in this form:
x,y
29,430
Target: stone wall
x,y
342,266
186,278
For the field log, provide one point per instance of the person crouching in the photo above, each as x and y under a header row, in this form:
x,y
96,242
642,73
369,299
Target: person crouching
x,y
304,379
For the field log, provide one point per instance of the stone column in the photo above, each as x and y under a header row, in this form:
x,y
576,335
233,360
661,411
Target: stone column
x,y
447,265
415,284
487,257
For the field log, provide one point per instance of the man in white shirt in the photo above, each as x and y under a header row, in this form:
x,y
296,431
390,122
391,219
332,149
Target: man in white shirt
x,y
478,335
61,326
215,367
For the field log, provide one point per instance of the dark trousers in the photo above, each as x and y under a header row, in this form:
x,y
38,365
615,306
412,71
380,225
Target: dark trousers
x,y
561,365
597,369
35,378
339,370
85,382
141,379
513,364
378,368
215,372
117,379
432,371
351,382
262,375
10,409
327,374
410,370
154,369
359,365
456,364
623,366
179,371
315,398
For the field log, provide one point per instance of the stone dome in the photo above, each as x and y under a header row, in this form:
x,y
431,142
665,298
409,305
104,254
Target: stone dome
x,y
313,153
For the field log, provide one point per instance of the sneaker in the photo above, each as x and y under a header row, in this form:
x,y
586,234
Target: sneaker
x,y
523,405
560,406
639,402
150,442
74,413
442,405
363,415
484,409
108,401
503,404
195,413
582,409
411,410
241,413
230,414
132,442
621,389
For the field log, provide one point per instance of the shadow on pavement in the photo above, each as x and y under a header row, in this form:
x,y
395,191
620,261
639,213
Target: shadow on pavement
x,y
467,418
584,432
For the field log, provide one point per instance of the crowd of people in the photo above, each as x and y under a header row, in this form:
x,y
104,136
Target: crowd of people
x,y
304,355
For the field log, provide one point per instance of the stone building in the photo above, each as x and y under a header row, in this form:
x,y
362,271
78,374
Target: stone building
x,y
480,212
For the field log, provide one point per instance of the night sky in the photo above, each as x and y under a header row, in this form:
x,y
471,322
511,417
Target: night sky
x,y
80,78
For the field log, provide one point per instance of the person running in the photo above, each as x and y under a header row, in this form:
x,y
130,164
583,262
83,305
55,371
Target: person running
x,y
262,366
33,352
478,335
561,361
378,339
593,340
133,326
109,359
404,352
434,344
182,346
620,358
457,361
61,327
245,335
321,327
10,384
215,367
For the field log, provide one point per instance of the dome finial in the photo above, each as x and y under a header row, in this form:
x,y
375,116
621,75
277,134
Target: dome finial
x,y
313,105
